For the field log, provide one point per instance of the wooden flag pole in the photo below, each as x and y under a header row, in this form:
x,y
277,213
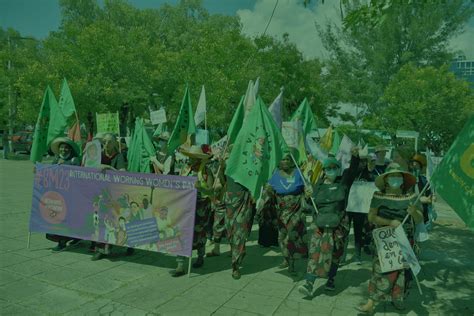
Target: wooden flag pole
x,y
189,266
305,182
29,240
417,199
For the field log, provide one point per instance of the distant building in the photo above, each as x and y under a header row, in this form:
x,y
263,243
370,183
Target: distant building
x,y
463,69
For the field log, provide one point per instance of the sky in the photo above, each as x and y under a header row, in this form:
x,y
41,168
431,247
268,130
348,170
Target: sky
x,y
38,17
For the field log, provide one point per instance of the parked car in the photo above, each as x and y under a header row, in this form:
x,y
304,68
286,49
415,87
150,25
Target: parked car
x,y
22,141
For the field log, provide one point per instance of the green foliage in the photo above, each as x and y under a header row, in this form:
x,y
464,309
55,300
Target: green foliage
x,y
428,100
116,53
378,40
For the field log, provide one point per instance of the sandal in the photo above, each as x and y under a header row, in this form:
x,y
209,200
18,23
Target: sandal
x,y
365,310
236,274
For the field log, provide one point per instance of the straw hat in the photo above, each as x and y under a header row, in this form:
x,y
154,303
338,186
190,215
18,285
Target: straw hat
x,y
409,180
194,151
66,140
421,159
380,148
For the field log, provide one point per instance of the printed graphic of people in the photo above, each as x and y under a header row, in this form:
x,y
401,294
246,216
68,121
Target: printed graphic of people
x,y
137,212
109,231
121,232
164,224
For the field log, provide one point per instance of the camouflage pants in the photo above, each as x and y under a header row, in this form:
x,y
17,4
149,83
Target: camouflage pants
x,y
326,247
238,222
203,212
291,226
218,226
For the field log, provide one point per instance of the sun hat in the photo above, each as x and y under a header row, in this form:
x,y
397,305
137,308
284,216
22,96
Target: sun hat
x,y
194,151
409,180
64,140
421,159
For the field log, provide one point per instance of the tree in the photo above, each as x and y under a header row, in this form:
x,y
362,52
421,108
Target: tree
x,y
115,53
428,100
369,50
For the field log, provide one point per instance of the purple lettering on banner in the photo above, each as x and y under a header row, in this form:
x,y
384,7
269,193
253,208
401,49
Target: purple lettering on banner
x,y
139,210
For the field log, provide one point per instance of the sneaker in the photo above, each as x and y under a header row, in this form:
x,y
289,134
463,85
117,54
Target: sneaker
x,y
330,285
177,273
236,274
59,247
306,289
97,256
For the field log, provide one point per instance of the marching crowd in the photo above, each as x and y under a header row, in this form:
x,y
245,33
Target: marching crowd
x,y
226,209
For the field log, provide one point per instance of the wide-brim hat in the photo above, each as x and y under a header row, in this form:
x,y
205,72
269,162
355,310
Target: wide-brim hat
x,y
409,180
421,159
380,148
194,151
66,140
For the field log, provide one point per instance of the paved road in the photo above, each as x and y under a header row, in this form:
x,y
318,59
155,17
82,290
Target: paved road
x,y
37,282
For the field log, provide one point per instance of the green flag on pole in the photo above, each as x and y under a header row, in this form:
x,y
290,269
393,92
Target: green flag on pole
x,y
304,114
141,149
66,102
336,143
184,127
453,179
236,123
257,150
40,137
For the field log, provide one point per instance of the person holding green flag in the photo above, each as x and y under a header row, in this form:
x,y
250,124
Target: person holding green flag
x,y
330,226
287,189
184,127
257,150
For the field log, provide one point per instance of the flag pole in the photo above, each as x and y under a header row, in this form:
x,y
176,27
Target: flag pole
x,y
189,267
305,182
417,199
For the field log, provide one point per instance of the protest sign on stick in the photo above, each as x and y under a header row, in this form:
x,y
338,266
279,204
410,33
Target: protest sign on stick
x,y
158,117
388,249
108,123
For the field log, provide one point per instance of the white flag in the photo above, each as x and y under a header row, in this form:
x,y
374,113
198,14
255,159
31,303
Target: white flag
x,y
407,250
200,114
315,148
275,108
344,154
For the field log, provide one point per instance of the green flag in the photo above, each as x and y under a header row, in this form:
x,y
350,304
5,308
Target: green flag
x,y
336,142
236,123
453,179
184,127
304,114
61,113
40,137
141,149
66,102
257,150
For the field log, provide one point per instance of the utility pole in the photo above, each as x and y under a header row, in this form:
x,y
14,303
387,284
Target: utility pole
x,y
10,110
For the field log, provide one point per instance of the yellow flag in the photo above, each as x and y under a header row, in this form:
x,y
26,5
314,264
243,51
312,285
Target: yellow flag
x,y
326,144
